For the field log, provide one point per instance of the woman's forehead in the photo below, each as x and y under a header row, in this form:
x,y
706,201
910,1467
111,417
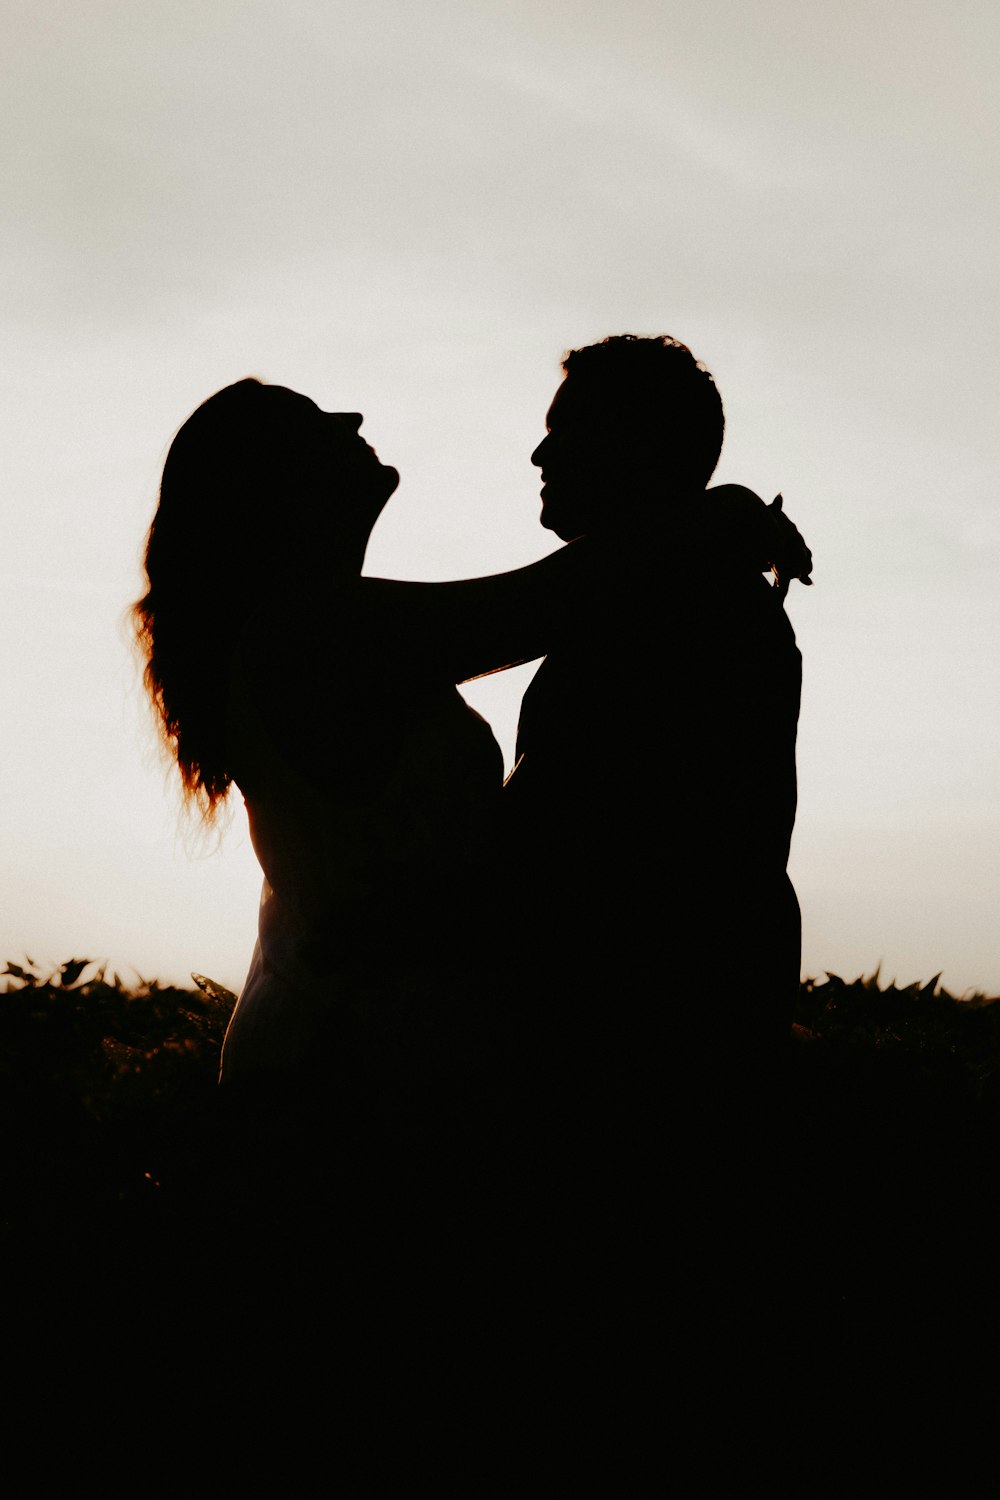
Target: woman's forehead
x,y
305,406
293,399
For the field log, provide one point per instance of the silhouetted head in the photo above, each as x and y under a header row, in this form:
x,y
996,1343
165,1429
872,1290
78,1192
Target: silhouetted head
x,y
263,497
636,422
283,485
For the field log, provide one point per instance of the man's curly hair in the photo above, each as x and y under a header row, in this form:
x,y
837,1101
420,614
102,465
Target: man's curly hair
x,y
664,396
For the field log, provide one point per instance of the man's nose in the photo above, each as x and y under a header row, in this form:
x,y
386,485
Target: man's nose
x,y
353,419
538,457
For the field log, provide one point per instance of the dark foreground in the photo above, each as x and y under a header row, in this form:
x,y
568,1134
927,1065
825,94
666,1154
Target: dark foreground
x,y
411,1291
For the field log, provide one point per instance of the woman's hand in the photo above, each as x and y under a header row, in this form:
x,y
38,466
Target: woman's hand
x,y
740,525
788,554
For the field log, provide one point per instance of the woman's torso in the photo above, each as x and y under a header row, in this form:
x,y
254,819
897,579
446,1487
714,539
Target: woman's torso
x,y
372,798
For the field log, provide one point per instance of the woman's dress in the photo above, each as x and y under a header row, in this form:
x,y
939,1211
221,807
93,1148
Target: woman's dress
x,y
364,1057
373,818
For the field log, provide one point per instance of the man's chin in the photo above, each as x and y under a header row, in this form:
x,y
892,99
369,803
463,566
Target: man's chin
x,y
562,525
391,479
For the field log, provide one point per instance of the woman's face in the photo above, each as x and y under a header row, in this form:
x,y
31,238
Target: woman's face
x,y
337,443
351,483
352,455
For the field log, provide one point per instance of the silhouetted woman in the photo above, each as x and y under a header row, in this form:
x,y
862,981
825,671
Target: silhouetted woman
x,y
371,788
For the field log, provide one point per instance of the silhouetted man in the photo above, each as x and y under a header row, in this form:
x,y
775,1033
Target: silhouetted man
x,y
648,821
651,806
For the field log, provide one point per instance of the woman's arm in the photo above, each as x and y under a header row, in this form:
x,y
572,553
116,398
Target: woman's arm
x,y
473,626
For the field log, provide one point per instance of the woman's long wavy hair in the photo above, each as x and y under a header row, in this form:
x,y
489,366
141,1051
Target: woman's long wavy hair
x,y
225,527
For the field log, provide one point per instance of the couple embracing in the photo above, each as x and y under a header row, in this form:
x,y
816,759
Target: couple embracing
x,y
494,1036
614,921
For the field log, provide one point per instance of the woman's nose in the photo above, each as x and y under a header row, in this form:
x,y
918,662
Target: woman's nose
x,y
353,419
537,458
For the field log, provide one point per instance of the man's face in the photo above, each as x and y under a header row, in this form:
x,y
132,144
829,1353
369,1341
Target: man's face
x,y
587,465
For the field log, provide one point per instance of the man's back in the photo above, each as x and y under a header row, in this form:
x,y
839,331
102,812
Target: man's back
x,y
651,808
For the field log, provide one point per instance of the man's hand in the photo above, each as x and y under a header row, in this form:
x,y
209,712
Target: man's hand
x,y
787,552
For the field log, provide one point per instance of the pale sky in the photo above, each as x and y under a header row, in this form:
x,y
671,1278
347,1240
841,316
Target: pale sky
x,y
412,211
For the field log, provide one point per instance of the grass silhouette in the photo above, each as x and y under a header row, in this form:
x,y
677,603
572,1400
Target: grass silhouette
x,y
104,1082
113,1177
